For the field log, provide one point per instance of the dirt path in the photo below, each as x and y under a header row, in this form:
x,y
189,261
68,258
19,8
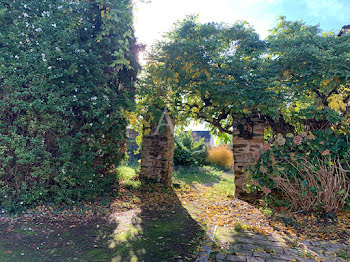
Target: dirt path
x,y
244,233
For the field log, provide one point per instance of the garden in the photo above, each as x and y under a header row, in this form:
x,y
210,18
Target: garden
x,y
76,186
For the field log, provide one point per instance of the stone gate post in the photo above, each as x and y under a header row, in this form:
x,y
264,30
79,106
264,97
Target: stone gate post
x,y
157,152
248,141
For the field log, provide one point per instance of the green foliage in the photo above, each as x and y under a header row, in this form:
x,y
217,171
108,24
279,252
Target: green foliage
x,y
205,71
66,77
220,73
311,68
287,156
188,151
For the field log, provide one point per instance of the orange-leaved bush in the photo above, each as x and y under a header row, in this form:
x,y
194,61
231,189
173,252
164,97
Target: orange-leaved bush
x,y
221,156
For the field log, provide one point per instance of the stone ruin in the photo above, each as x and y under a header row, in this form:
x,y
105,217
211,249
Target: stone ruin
x,y
248,142
158,151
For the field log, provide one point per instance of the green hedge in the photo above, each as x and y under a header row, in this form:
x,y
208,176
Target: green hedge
x,y
188,151
66,77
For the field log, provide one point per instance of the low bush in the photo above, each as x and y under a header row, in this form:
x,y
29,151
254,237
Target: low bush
x,y
308,172
220,156
188,151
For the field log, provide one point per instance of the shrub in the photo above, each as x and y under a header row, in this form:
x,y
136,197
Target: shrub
x,y
308,171
220,156
188,151
318,187
66,77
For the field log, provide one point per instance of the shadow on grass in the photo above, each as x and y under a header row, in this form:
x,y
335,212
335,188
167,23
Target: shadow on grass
x,y
46,239
154,227
160,229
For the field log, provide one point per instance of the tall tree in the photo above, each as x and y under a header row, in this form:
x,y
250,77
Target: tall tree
x,y
312,68
217,72
212,72
66,75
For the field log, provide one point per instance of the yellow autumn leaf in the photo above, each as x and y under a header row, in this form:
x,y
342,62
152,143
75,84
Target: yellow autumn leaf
x,y
133,121
195,75
246,111
326,81
336,103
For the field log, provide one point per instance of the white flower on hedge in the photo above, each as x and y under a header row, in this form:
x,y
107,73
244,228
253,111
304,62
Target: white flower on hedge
x,y
25,15
93,98
43,57
47,13
63,171
27,24
59,7
38,29
50,67
16,56
54,25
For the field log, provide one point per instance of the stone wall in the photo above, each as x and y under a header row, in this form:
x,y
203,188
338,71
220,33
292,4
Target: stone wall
x,y
248,141
157,153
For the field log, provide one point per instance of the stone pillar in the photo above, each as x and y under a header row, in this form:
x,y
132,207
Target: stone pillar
x,y
157,153
248,141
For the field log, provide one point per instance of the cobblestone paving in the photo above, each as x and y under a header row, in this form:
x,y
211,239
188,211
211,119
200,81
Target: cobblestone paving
x,y
250,247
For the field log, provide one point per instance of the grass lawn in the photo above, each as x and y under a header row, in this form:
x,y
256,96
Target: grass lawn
x,y
216,181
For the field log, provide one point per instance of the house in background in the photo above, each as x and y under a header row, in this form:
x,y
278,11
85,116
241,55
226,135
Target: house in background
x,y
208,138
133,148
